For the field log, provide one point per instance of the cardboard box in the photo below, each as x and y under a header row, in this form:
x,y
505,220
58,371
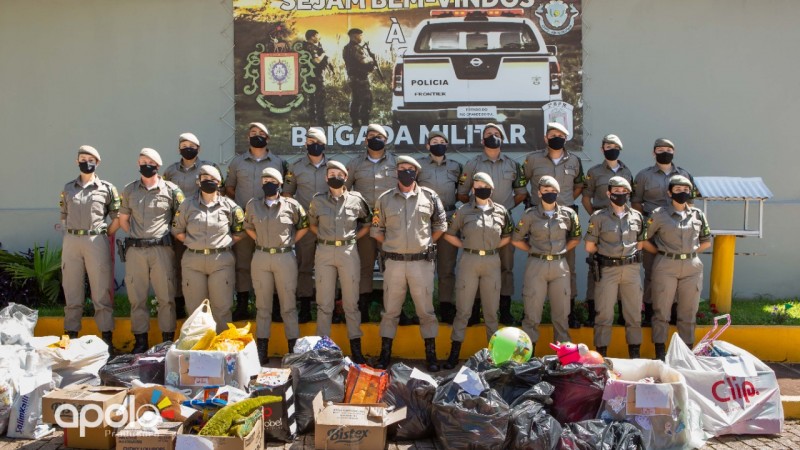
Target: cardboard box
x,y
97,437
133,437
253,441
279,418
343,426
101,438
192,369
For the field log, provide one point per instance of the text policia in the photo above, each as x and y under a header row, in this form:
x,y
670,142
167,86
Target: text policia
x,y
319,5
457,134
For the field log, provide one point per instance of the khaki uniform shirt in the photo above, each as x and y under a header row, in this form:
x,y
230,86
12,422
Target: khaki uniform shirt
x,y
595,185
651,187
548,235
372,179
275,225
86,208
407,224
186,178
304,180
615,236
481,229
208,226
442,178
337,219
507,175
568,172
151,210
674,233
244,175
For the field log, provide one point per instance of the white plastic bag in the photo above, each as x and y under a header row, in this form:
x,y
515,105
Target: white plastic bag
x,y
195,327
737,394
8,392
17,323
26,414
80,363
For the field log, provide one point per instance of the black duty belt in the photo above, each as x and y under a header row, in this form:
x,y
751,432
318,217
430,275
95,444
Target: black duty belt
x,y
607,261
405,256
336,243
132,242
208,251
547,257
274,250
679,256
86,232
480,252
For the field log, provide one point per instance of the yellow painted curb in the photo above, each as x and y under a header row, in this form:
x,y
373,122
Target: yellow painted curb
x,y
791,406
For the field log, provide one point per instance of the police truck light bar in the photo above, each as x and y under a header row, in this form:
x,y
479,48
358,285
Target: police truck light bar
x,y
513,12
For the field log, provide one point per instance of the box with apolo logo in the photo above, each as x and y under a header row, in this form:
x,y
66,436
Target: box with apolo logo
x,y
342,426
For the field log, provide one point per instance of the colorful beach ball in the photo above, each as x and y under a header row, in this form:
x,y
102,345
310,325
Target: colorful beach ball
x,y
510,344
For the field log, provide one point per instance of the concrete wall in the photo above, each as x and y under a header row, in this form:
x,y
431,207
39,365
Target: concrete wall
x,y
716,76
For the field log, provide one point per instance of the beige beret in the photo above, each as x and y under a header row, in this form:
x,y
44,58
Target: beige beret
x,y
89,150
612,139
408,160
496,127
211,171
272,173
152,154
483,176
548,181
663,142
188,137
318,134
336,165
434,134
556,126
258,125
378,129
680,180
619,182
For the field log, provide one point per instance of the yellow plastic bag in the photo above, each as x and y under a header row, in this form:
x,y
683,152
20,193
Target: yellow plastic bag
x,y
232,340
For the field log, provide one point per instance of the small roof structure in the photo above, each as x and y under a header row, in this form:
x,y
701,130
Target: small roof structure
x,y
735,189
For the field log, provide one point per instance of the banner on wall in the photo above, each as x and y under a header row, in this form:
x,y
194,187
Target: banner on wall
x,y
412,66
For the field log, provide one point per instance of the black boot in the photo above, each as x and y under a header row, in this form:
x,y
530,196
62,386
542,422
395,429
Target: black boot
x,y
448,312
633,351
276,309
71,334
673,315
572,319
592,313
452,359
505,316
107,338
355,351
661,352
475,317
602,351
167,336
430,355
647,321
263,354
620,317
364,300
290,344
180,308
140,345
386,354
242,303
304,315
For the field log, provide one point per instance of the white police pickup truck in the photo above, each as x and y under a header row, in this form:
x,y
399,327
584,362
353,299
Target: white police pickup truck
x,y
475,66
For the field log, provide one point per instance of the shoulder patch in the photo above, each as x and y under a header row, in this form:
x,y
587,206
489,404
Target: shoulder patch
x,y
239,214
376,217
462,179
289,174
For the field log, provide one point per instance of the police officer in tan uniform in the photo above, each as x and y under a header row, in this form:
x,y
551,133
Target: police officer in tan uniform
x,y
566,168
371,175
595,197
148,207
509,191
243,183
485,227
551,231
441,174
305,178
85,203
614,239
339,218
209,224
649,193
275,223
678,233
184,174
407,221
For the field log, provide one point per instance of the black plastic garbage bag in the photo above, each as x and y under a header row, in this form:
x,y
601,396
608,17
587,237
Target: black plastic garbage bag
x,y
469,422
511,379
480,362
600,435
578,389
322,370
417,396
531,427
147,367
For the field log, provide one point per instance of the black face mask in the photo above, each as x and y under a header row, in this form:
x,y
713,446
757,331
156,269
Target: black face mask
x,y
550,197
209,186
483,193
148,170
438,149
270,189
619,199
664,157
492,141
407,177
189,153
556,143
258,141
87,167
681,197
335,182
611,154
375,144
315,149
